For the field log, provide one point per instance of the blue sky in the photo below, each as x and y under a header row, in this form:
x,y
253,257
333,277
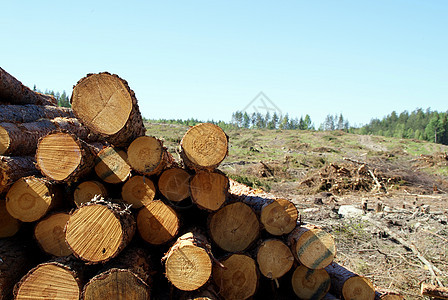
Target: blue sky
x,y
207,59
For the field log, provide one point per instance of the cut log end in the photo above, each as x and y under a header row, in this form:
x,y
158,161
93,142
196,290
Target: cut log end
x,y
358,287
310,284
209,189
279,217
274,259
5,141
146,155
8,225
174,184
50,234
112,166
138,191
87,190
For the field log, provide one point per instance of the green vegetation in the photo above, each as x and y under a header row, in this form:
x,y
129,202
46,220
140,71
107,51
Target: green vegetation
x,y
62,98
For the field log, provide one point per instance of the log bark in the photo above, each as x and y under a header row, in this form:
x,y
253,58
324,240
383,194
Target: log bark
x,y
238,279
31,113
87,190
309,283
12,91
345,283
188,263
14,167
208,292
104,103
312,246
234,227
8,225
208,190
157,223
174,184
204,147
99,230
138,191
50,235
147,156
63,157
60,279
274,258
111,165
437,292
30,198
277,215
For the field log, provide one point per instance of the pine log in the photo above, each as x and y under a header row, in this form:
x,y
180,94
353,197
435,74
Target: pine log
x,y
111,165
12,91
8,225
234,227
99,230
204,147
30,198
312,246
14,263
126,277
63,157
208,292
174,184
309,283
349,285
188,263
277,215
60,279
437,292
238,279
14,167
31,113
209,189
157,223
138,191
274,258
147,156
87,190
104,103
50,235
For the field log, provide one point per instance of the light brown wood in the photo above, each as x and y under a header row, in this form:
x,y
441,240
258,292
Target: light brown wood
x,y
204,146
238,280
312,246
105,103
437,292
31,113
49,233
30,198
157,223
234,227
112,165
13,168
99,230
274,258
174,184
8,225
147,156
209,189
87,190
188,264
138,191
309,283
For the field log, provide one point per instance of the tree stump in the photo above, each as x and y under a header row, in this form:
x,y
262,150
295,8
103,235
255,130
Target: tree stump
x,y
209,189
8,225
138,191
13,168
112,165
174,184
147,156
87,190
274,258
49,233
309,283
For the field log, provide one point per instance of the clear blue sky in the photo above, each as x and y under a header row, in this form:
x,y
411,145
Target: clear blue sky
x,y
207,59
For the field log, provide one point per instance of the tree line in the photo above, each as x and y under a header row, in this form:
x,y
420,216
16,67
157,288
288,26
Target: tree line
x,y
270,121
62,98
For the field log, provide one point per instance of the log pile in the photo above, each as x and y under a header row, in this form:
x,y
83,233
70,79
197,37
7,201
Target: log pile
x,y
115,216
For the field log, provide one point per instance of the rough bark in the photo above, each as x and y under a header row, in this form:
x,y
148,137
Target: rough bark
x,y
31,113
309,283
14,167
434,291
50,235
8,225
208,190
138,191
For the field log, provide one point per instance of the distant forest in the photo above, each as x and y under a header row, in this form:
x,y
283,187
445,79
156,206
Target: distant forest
x,y
62,98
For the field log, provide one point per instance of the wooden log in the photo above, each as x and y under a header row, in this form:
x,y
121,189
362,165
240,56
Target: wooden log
x,y
104,103
208,190
188,263
63,157
59,280
31,113
174,184
14,264
157,223
14,167
234,227
437,292
238,279
349,285
204,147
207,292
274,258
147,156
138,191
87,190
12,91
30,198
8,225
111,165
309,283
99,230
50,235
312,246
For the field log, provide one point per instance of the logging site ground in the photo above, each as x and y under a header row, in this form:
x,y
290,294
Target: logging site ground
x,y
399,239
